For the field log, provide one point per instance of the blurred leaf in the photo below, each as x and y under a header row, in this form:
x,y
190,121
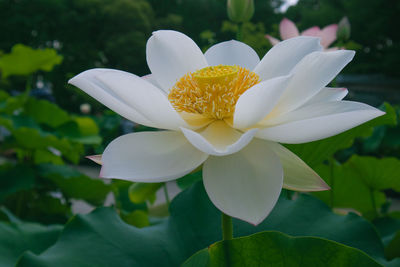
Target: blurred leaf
x,y
23,60
393,248
348,190
378,174
194,224
9,104
200,258
140,192
46,156
75,184
277,249
30,138
314,153
121,194
387,228
73,132
359,183
39,206
138,218
189,179
87,126
14,179
43,111
18,237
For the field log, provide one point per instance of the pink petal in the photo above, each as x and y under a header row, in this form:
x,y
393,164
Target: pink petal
x,y
328,35
288,29
313,31
271,39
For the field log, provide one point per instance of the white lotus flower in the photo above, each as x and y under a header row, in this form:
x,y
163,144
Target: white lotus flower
x,y
228,110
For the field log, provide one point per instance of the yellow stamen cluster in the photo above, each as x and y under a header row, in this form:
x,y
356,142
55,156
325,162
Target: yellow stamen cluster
x,y
212,91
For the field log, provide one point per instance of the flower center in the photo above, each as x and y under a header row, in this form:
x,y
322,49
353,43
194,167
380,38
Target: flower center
x,y
212,91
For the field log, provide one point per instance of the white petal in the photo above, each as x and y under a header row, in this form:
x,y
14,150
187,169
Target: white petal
x,y
312,74
282,57
245,185
232,53
328,94
298,175
254,104
150,157
88,82
144,97
170,55
219,139
317,121
150,78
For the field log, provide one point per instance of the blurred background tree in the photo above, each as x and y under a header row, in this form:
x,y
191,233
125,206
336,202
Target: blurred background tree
x,y
113,33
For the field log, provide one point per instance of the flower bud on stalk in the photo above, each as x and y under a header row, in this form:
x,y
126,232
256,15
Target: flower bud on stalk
x,y
343,32
240,10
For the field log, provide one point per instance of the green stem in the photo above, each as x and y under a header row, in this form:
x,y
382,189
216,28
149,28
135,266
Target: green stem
x,y
227,228
239,33
166,194
28,86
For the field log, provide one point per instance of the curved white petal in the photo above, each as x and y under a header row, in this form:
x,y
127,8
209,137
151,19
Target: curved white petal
x,y
88,82
232,53
328,94
170,55
150,78
150,157
144,97
219,139
254,104
312,74
297,175
282,57
317,121
245,185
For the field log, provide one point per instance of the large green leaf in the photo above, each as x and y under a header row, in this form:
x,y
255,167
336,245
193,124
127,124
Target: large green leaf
x,y
359,183
314,153
18,237
103,239
377,174
389,229
277,249
24,60
348,190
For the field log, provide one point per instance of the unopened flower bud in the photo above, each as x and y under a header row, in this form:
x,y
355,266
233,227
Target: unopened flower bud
x,y
343,32
240,10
